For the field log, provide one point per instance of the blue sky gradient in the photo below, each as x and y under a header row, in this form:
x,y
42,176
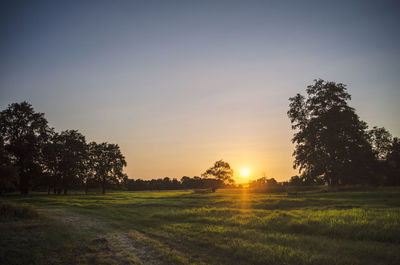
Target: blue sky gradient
x,y
180,84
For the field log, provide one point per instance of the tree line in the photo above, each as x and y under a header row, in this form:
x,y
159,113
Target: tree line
x,y
219,175
33,155
332,146
185,182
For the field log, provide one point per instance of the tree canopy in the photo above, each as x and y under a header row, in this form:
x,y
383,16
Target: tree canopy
x,y
23,132
331,142
221,170
108,163
40,156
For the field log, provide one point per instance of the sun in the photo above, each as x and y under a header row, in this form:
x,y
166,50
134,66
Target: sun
x,y
245,172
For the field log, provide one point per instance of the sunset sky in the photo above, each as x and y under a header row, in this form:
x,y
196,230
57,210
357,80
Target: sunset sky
x,y
181,84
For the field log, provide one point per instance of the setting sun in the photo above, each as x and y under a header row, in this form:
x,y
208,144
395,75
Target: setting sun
x,y
245,172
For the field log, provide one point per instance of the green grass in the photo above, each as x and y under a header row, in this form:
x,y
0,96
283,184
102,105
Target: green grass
x,y
12,211
226,227
37,241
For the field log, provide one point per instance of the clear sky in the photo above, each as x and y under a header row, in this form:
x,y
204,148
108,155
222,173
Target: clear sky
x,y
181,84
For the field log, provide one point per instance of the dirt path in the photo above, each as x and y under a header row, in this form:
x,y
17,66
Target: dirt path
x,y
103,244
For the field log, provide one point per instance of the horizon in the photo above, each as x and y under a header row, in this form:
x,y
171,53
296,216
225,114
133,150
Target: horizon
x,y
180,85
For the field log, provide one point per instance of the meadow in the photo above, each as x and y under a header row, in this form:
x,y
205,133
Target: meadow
x,y
189,227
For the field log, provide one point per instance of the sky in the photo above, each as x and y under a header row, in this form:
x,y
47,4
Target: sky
x,y
181,84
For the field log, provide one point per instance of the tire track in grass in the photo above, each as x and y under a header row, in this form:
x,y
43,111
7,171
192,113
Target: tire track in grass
x,y
100,243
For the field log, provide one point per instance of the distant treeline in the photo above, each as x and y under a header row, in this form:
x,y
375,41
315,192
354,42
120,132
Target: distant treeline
x,y
175,184
33,156
217,176
333,146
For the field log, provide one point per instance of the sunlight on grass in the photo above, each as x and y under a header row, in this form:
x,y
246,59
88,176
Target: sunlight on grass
x,y
240,227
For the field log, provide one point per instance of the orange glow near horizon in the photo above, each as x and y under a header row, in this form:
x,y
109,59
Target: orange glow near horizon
x,y
244,175
181,85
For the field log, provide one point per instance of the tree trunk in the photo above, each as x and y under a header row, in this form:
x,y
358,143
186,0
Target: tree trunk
x,y
65,186
86,187
55,183
24,184
104,185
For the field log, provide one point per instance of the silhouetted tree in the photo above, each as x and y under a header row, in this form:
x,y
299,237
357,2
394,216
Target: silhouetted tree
x,y
89,165
24,132
40,157
381,142
296,181
393,160
221,170
8,173
331,141
51,158
71,157
109,164
175,184
266,184
166,183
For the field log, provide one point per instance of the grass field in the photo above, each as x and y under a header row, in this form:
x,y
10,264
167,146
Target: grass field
x,y
226,227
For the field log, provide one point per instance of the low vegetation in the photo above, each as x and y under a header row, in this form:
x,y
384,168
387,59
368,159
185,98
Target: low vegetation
x,y
12,211
225,227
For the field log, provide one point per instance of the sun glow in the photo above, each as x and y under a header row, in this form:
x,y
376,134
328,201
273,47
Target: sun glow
x,y
245,172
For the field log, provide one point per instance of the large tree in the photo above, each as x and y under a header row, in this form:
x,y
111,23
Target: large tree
x,y
221,171
89,169
393,160
108,163
51,160
71,157
8,173
381,141
24,132
331,142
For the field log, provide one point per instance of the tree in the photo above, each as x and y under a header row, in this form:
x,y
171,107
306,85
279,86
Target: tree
x,y
51,158
393,160
264,183
381,141
221,170
8,174
109,164
89,170
331,141
296,181
24,132
70,157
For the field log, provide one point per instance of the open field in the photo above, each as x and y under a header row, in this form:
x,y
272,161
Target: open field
x,y
226,227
